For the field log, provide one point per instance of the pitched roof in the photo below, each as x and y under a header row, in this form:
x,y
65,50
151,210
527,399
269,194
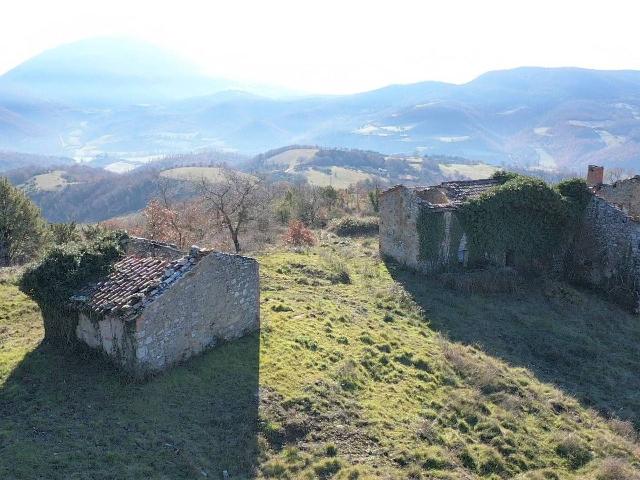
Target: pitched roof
x,y
463,190
134,282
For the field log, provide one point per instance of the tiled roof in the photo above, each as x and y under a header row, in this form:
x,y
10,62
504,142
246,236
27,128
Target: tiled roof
x,y
134,281
463,190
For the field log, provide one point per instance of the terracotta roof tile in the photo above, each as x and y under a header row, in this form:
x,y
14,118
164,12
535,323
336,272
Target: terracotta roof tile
x,y
134,281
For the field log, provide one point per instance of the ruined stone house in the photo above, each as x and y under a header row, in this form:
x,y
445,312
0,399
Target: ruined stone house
x,y
401,208
160,305
605,253
624,194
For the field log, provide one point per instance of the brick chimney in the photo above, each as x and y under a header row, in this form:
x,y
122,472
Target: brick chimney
x,y
595,176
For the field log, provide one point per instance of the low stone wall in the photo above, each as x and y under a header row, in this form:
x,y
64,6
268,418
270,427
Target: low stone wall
x,y
607,253
144,247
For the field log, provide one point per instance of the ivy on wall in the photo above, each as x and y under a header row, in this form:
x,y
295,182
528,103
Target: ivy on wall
x,y
524,216
64,270
430,227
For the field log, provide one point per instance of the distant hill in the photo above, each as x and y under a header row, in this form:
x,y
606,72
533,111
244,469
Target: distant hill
x,y
343,167
13,160
131,101
85,194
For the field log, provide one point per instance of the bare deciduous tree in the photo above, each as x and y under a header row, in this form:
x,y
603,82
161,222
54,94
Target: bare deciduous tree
x,y
236,199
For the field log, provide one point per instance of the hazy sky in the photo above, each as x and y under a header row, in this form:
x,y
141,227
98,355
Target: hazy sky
x,y
341,46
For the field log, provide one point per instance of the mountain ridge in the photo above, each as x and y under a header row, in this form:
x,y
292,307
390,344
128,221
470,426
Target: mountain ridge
x,y
533,117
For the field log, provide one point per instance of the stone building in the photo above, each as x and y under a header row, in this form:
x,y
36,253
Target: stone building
x,y
625,194
605,253
400,211
160,305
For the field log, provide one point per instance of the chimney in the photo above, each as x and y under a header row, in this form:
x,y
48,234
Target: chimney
x,y
595,176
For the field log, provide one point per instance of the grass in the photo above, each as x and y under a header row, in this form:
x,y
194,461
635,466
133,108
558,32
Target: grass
x,y
386,376
340,177
48,182
194,174
292,158
472,172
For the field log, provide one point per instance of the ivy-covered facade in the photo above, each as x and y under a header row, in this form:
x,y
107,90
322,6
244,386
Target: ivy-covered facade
x,y
422,227
566,230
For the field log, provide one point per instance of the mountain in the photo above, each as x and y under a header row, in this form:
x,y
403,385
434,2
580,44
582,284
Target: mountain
x,y
131,102
107,72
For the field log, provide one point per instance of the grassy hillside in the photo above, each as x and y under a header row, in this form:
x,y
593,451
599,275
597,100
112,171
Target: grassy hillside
x,y
344,167
194,174
361,370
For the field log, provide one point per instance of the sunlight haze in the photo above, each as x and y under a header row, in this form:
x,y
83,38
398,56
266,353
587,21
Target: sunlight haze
x,y
340,47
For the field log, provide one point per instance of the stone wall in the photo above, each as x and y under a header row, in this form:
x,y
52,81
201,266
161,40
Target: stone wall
x,y
111,334
150,248
219,299
400,210
625,194
607,253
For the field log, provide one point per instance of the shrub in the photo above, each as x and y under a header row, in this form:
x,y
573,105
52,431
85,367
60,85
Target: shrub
x,y
616,469
354,226
574,450
524,216
327,468
22,229
298,235
337,268
61,273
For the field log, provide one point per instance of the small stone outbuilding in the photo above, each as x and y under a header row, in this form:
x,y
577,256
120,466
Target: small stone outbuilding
x,y
160,305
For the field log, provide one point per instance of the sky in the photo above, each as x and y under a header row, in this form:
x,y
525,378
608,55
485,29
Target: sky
x,y
342,46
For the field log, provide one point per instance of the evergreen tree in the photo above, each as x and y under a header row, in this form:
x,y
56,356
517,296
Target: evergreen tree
x,y
23,232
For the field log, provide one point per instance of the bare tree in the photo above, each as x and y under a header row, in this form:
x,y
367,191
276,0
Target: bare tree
x,y
615,174
236,199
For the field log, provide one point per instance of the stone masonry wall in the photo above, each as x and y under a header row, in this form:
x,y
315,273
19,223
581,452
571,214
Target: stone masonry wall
x,y
219,299
607,253
399,238
150,248
625,194
399,210
111,334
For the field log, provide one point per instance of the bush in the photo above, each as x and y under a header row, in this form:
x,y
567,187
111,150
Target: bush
x,y
354,226
616,469
22,230
61,273
574,450
298,235
337,268
523,216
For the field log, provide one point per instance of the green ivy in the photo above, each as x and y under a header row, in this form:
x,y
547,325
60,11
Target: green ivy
x,y
62,272
523,215
430,226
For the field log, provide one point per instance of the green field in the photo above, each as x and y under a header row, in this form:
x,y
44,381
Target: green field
x,y
48,182
472,172
361,370
340,177
193,174
292,158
